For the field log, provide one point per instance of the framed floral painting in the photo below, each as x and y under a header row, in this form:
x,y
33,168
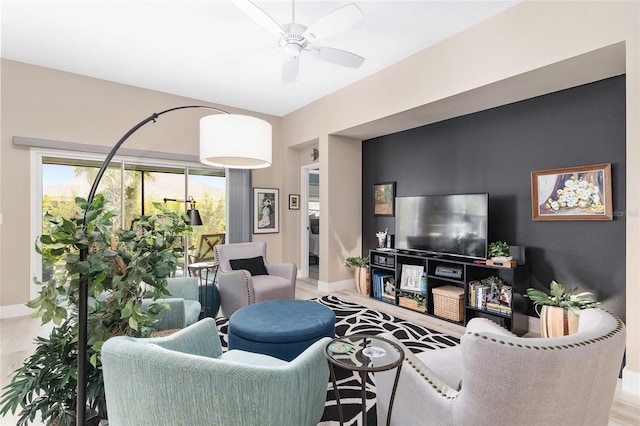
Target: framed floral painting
x,y
573,193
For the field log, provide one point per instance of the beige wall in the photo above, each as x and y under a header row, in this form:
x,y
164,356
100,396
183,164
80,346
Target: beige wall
x,y
531,49
47,104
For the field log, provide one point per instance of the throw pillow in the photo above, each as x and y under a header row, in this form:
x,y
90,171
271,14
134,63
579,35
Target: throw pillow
x,y
255,265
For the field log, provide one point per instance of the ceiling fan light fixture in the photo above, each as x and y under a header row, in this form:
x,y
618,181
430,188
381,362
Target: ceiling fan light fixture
x,y
295,38
292,50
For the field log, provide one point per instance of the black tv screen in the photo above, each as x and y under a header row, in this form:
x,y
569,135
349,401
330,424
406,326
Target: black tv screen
x,y
453,224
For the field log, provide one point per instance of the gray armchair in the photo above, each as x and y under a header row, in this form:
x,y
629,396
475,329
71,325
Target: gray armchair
x,y
184,307
186,379
496,378
251,279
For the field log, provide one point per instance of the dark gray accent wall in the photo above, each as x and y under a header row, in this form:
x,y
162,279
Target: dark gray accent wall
x,y
495,151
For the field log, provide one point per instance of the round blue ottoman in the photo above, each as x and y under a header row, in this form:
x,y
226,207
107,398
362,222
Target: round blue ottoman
x,y
280,328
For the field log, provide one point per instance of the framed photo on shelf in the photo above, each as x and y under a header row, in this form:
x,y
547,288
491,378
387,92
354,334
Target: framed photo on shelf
x,y
384,199
266,208
294,202
389,287
410,279
572,193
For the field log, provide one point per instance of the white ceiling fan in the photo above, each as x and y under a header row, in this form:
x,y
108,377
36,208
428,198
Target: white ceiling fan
x,y
295,38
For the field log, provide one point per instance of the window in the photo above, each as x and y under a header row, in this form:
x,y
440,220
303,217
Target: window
x,y
133,188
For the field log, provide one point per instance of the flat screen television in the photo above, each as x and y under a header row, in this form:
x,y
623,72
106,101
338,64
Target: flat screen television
x,y
454,224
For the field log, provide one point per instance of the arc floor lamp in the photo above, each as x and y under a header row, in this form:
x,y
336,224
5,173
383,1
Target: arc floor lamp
x,y
226,140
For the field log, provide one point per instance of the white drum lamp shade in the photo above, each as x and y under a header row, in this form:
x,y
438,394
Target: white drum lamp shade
x,y
235,141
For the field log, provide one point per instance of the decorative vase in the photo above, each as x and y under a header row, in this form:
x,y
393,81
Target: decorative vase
x,y
556,321
362,280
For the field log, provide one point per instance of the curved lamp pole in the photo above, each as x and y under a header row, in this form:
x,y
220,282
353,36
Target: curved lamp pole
x,y
249,151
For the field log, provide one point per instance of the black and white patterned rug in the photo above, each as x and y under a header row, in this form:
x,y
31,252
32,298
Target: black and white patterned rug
x,y
351,319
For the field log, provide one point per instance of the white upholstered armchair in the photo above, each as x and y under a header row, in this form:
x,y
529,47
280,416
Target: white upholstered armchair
x,y
245,277
496,378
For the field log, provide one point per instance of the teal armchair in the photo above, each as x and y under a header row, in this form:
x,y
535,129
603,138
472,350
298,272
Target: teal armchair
x,y
184,307
186,379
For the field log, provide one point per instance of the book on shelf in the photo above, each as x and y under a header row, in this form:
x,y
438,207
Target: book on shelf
x,y
498,308
383,284
478,293
472,293
482,291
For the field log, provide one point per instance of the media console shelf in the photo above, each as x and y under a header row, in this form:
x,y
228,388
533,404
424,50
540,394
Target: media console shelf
x,y
393,276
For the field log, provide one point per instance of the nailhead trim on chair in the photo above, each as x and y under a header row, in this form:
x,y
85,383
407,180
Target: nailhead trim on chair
x,y
433,385
295,274
246,287
609,335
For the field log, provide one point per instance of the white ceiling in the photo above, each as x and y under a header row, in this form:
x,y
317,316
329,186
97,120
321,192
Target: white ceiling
x,y
210,50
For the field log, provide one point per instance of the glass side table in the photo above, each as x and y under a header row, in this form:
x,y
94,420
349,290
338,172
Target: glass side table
x,y
364,354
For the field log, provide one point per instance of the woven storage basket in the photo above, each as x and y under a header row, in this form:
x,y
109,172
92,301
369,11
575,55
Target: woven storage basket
x,y
448,302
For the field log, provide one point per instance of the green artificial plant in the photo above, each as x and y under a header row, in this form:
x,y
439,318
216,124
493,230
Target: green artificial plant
x,y
498,249
561,297
356,262
122,268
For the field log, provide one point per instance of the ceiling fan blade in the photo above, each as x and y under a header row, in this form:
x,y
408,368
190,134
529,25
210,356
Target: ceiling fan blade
x,y
334,22
337,56
260,16
290,70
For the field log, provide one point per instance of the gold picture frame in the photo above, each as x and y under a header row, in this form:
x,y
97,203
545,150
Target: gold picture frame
x,y
572,193
384,195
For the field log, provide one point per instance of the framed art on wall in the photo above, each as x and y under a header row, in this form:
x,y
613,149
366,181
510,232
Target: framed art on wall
x,y
572,193
266,208
294,202
384,198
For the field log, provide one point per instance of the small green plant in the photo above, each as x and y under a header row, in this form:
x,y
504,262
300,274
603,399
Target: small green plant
x,y
356,262
498,248
561,297
421,300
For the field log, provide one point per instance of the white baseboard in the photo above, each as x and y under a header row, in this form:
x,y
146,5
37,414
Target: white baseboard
x,y
12,311
336,285
631,382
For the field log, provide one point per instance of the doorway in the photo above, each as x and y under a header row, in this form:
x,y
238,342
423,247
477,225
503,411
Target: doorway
x,y
310,221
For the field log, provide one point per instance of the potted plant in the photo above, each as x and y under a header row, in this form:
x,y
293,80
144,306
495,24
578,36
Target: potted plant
x,y
560,308
117,265
361,265
498,249
412,301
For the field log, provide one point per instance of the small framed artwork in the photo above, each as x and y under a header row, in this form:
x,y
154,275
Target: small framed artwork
x,y
411,275
573,193
384,199
294,202
266,208
388,287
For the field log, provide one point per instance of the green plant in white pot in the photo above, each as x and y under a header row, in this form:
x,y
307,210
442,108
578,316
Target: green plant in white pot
x,y
361,267
560,308
498,249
